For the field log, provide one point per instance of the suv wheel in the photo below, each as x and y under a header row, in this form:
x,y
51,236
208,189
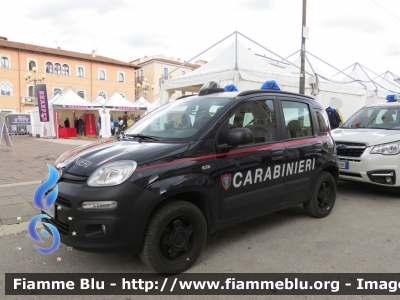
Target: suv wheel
x,y
174,238
323,197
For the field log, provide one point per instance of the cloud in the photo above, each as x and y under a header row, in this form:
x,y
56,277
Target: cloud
x,y
260,4
393,51
146,41
362,24
56,9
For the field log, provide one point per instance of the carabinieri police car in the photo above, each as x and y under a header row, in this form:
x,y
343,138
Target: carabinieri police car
x,y
194,166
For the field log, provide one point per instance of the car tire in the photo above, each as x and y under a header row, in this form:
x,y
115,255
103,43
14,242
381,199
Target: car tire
x,y
175,237
323,197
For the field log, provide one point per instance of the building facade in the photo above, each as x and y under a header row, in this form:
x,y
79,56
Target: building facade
x,y
154,68
89,75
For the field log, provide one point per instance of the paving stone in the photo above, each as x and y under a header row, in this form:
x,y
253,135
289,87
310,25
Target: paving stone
x,y
16,210
8,191
10,200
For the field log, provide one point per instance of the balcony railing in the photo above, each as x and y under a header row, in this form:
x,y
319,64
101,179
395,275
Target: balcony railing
x,y
139,79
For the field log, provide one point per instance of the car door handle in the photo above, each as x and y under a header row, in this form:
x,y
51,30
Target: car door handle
x,y
317,146
277,155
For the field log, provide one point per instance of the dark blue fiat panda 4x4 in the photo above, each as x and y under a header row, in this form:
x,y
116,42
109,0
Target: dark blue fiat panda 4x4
x,y
194,166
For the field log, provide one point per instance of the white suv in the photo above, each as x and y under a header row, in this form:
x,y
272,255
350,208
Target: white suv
x,y
368,145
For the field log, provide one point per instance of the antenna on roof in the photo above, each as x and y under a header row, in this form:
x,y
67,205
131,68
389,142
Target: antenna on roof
x,y
56,44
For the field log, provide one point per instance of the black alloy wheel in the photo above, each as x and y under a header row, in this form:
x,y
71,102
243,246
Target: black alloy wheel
x,y
323,197
175,237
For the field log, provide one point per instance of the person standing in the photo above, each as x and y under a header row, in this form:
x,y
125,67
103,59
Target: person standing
x,y
334,118
80,125
66,123
129,123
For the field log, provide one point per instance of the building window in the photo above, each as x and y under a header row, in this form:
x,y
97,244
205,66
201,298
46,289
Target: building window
x,y
165,73
65,69
5,62
103,94
183,93
81,94
183,73
57,91
121,77
31,91
49,67
57,68
102,75
141,73
123,95
32,65
5,89
80,72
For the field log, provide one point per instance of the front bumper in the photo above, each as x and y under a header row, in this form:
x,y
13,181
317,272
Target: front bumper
x,y
378,169
82,228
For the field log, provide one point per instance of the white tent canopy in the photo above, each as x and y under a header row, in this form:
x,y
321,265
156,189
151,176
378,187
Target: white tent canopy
x,y
117,102
142,102
253,71
70,100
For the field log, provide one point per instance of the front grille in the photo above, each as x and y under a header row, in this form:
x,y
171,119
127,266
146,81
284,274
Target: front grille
x,y
350,149
350,174
62,228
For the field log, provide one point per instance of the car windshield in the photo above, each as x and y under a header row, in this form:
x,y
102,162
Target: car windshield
x,y
180,120
379,117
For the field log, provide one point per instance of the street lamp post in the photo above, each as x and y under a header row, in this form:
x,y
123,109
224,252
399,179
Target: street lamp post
x,y
29,78
145,86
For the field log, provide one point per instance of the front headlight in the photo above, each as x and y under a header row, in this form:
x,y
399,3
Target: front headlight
x,y
386,149
112,173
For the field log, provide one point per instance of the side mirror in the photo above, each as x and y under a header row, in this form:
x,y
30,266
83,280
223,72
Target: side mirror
x,y
239,136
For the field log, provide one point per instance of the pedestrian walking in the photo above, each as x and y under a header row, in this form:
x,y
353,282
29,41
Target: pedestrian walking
x,y
80,125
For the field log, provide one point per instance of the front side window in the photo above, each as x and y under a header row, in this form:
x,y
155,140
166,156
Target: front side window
x,y
65,69
32,65
5,89
102,75
80,72
179,120
297,119
4,62
57,68
258,116
379,117
49,67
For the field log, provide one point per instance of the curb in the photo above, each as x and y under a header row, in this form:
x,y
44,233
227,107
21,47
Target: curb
x,y
16,228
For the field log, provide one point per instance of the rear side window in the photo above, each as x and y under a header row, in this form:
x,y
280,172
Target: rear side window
x,y
323,123
297,119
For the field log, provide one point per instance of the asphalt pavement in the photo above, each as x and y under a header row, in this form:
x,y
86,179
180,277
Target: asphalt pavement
x,y
360,235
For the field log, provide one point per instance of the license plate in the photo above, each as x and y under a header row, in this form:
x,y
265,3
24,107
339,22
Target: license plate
x,y
51,211
344,165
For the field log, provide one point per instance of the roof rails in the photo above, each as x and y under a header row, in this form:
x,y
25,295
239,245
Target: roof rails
x,y
250,92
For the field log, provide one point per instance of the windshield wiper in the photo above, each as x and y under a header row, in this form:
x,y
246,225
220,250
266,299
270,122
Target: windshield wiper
x,y
143,137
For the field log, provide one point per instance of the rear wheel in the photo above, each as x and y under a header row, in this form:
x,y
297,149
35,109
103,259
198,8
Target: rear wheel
x,y
323,197
175,238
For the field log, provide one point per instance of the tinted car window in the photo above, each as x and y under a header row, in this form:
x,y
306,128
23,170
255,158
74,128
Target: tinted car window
x,y
323,124
297,119
259,117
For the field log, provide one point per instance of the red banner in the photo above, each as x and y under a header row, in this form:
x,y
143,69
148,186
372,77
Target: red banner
x,y
90,124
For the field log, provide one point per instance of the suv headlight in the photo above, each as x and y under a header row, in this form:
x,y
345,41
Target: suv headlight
x,y
386,149
112,173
